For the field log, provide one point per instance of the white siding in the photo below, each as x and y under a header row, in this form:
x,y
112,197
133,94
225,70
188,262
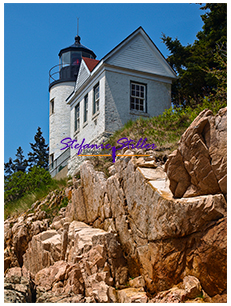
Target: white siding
x,y
82,76
138,55
117,99
89,130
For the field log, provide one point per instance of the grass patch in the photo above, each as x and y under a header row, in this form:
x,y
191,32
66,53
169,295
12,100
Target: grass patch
x,y
19,206
166,129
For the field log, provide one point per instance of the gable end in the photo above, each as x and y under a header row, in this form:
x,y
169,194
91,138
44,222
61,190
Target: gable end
x,y
84,73
138,52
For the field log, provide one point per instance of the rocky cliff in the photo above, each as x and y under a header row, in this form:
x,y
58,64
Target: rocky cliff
x,y
148,233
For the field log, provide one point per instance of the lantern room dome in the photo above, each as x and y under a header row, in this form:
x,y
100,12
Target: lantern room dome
x,y
77,46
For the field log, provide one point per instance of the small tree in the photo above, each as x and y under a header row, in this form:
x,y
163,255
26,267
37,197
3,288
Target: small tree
x,y
40,152
9,168
20,162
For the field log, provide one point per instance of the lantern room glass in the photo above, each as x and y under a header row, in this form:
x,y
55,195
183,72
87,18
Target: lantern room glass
x,y
75,58
65,60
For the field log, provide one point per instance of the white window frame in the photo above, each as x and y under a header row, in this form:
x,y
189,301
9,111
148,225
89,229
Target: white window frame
x,y
77,117
85,113
138,97
96,97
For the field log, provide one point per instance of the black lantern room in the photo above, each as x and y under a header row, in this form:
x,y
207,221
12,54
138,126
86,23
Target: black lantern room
x,y
69,63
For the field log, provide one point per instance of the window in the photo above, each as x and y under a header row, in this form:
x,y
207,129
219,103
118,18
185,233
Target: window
x,y
85,108
52,107
52,160
96,99
65,60
137,100
75,58
77,119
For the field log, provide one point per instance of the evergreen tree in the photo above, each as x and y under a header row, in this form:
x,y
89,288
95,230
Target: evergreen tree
x,y
40,151
215,25
9,168
20,162
194,63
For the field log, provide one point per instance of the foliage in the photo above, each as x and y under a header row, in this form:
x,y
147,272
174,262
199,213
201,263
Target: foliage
x,y
195,63
9,168
20,205
215,25
20,161
220,74
38,157
20,183
40,151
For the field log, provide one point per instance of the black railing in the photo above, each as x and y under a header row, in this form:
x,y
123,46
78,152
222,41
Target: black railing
x,y
61,72
54,73
59,163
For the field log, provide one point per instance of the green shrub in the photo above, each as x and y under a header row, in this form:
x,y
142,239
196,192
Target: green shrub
x,y
20,183
23,203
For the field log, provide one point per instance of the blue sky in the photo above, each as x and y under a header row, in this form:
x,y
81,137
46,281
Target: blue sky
x,y
35,33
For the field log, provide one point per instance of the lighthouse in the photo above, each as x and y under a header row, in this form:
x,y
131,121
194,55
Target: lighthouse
x,y
91,99
62,79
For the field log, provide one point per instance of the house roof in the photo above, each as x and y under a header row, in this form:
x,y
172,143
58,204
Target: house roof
x,y
90,62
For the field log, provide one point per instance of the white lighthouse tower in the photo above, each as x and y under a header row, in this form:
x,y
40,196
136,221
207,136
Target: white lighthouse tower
x,y
62,79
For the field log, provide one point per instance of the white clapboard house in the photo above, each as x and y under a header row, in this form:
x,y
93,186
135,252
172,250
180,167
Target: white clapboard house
x,y
90,99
